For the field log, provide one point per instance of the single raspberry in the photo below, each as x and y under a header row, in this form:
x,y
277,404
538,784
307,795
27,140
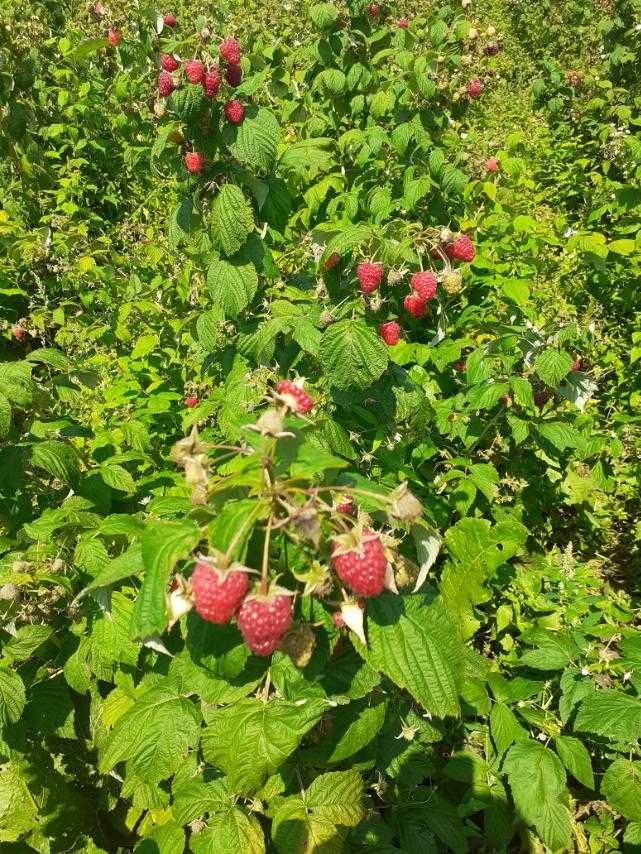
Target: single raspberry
x,y
99,9
194,70
235,112
168,62
218,593
229,49
416,306
294,397
332,261
345,504
374,10
461,249
576,366
369,275
403,24
492,164
338,620
234,75
452,282
114,37
541,398
360,562
190,401
390,332
264,619
169,20
194,161
492,49
424,285
459,366
211,83
166,84
474,88
19,332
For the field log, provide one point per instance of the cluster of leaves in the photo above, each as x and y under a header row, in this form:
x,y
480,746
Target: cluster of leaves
x,y
496,700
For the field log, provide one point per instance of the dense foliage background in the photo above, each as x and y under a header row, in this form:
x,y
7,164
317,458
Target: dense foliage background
x,y
490,697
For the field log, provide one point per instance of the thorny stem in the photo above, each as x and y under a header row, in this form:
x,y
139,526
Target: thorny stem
x,y
264,580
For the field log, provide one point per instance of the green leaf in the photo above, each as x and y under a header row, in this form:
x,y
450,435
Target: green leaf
x,y
12,697
236,520
352,354
317,820
232,286
562,436
162,545
323,15
232,219
154,735
574,755
552,366
26,641
230,832
168,838
57,459
48,356
416,646
353,727
255,141
610,713
117,477
251,740
180,223
621,785
18,810
5,416
125,565
505,728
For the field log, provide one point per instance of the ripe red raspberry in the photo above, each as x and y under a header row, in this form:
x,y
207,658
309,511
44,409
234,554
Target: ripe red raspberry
x,y
218,593
234,75
194,70
166,84
294,397
229,49
576,366
19,332
190,401
474,88
461,249
332,261
211,83
359,560
194,161
235,112
263,620
169,20
390,332
168,62
459,366
114,37
492,49
492,164
369,275
403,23
346,505
373,10
424,285
416,306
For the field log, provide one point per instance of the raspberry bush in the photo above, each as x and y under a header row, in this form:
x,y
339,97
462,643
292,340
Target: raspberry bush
x,y
319,427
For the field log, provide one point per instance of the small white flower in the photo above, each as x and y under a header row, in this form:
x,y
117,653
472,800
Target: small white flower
x,y
585,671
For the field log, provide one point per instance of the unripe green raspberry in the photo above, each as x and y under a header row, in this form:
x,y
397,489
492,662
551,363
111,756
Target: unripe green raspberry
x,y
452,282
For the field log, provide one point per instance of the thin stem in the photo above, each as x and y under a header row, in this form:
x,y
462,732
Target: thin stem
x,y
264,580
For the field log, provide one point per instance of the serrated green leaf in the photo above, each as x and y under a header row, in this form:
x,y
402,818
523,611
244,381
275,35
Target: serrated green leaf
x,y
552,366
621,785
117,477
232,219
352,354
12,698
574,755
610,713
57,459
255,142
230,833
5,416
232,286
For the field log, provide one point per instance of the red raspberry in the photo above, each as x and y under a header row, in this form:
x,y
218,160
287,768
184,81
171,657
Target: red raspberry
x,y
346,505
190,401
373,10
194,70
492,164
459,366
474,88
424,285
168,62
19,332
235,112
416,306
369,275
294,397
166,84
99,9
218,593
541,398
461,249
194,161
263,620
332,261
576,366
403,24
492,49
211,83
169,20
390,332
360,562
234,75
229,49
114,37
338,620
